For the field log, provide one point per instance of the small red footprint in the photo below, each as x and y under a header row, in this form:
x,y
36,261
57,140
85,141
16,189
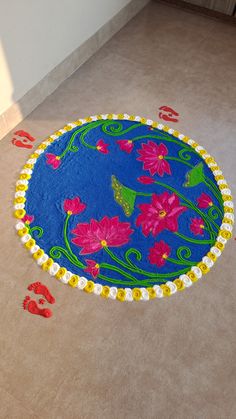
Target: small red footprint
x,y
32,307
39,288
25,134
168,114
21,143
24,141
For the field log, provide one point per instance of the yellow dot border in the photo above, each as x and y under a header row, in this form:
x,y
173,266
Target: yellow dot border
x,y
124,294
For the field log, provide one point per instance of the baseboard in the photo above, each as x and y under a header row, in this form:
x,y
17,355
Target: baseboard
x,y
182,4
19,110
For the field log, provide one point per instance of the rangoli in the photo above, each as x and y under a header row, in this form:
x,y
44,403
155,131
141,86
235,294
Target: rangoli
x,y
123,207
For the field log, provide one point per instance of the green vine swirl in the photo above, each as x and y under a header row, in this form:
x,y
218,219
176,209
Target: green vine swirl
x,y
214,212
184,253
36,229
56,252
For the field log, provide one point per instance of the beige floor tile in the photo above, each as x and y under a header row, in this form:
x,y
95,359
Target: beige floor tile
x,y
11,408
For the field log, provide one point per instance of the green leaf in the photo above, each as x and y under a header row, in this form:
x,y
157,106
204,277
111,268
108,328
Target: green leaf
x,y
195,176
124,196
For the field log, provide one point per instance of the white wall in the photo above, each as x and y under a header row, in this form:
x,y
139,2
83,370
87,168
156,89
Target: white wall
x,y
36,35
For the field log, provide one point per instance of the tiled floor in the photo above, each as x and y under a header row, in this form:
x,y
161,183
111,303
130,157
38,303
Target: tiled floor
x,y
171,358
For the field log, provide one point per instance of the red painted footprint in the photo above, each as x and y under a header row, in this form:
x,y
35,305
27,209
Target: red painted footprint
x,y
25,134
24,141
32,307
41,289
168,114
21,143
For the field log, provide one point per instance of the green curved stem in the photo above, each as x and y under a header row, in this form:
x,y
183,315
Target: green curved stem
x,y
127,283
214,186
71,141
85,128
115,281
187,254
215,193
182,249
163,137
156,277
189,239
65,232
117,131
65,228
116,259
179,262
57,251
82,140
136,253
179,160
36,228
116,269
185,150
137,270
218,211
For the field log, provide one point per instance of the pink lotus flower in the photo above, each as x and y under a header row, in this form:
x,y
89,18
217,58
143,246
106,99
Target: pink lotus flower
x,y
159,253
102,147
53,160
73,206
108,232
153,158
27,219
126,145
204,201
161,214
92,268
197,226
146,180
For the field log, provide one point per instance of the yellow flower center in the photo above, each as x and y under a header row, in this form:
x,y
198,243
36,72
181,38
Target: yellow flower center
x,y
129,141
160,157
201,225
210,204
162,213
58,158
103,243
99,147
69,212
97,265
165,256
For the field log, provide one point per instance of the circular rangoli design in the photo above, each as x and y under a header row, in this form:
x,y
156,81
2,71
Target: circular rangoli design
x,y
123,207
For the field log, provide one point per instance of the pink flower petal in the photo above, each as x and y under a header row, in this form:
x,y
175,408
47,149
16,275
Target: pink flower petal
x,y
108,232
126,145
159,253
204,201
102,146
146,180
153,157
162,213
73,206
